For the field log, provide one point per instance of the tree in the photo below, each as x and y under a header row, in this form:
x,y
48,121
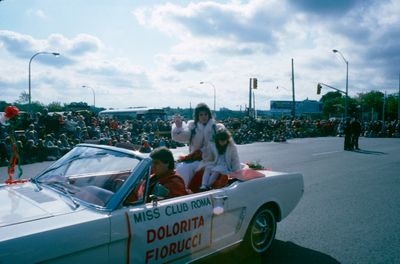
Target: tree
x,y
3,105
371,102
333,104
330,96
391,107
55,107
353,107
23,98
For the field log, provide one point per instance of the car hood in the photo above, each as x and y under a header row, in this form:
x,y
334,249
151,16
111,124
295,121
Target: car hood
x,y
23,202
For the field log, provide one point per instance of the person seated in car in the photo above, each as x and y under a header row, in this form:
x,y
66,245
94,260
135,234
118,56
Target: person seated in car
x,y
198,134
163,173
223,158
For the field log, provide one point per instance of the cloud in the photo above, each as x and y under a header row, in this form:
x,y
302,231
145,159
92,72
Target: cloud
x,y
24,46
170,79
19,45
118,72
373,37
99,68
39,13
253,23
225,42
326,7
83,44
241,50
188,65
12,88
91,67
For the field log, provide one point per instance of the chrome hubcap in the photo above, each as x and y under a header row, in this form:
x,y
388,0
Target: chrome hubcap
x,y
262,231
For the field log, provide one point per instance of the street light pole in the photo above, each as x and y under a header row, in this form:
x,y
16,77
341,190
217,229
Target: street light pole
x,y
347,81
398,103
29,77
293,99
94,95
215,97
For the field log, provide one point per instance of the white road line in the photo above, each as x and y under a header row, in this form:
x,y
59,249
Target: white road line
x,y
325,153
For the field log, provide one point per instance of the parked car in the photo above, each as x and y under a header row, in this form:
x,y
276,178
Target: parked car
x,y
86,207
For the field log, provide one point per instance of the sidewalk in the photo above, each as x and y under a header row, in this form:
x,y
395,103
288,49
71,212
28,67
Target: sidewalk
x,y
28,170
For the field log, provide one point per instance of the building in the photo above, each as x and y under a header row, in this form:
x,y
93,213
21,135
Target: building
x,y
303,108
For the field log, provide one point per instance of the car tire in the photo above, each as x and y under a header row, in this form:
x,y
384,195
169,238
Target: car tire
x,y
261,231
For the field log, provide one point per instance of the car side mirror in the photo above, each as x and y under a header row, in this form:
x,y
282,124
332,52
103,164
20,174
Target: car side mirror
x,y
154,199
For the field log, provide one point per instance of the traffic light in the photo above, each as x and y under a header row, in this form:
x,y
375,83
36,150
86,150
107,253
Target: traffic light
x,y
254,83
319,87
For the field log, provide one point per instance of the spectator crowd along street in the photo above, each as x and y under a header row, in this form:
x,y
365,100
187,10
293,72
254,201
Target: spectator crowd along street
x,y
49,136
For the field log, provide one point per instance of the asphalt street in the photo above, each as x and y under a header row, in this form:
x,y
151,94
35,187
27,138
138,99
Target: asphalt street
x,y
350,209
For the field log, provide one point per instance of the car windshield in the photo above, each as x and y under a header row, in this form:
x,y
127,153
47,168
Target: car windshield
x,y
90,174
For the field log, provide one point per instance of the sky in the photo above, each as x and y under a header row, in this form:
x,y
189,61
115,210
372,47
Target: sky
x,y
152,53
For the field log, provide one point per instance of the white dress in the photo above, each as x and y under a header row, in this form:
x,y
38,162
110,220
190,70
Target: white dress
x,y
220,166
202,137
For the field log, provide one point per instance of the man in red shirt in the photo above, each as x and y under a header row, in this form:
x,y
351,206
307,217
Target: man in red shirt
x,y
163,169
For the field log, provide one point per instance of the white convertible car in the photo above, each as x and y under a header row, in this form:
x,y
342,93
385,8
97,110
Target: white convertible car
x,y
86,207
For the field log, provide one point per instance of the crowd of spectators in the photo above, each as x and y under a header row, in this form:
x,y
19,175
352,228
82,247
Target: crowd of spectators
x,y
245,130
248,130
381,129
48,136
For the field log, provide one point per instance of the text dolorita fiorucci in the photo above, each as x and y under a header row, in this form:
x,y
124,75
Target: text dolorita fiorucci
x,y
166,231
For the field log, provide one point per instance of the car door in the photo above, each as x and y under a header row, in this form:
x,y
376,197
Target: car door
x,y
228,215
172,229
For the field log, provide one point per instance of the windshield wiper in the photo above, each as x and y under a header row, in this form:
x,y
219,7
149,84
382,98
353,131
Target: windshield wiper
x,y
59,185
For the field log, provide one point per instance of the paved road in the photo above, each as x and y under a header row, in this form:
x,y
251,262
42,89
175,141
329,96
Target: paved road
x,y
350,211
28,171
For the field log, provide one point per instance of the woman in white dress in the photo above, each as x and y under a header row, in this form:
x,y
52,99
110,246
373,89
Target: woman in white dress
x,y
223,158
198,133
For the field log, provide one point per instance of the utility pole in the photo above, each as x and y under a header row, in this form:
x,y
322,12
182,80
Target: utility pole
x,y
252,85
94,94
398,103
249,109
29,73
383,112
215,94
254,105
294,101
347,81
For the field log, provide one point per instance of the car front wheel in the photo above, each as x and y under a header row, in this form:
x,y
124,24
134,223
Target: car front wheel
x,y
261,231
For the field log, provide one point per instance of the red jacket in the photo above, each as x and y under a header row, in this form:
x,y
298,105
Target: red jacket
x,y
173,182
